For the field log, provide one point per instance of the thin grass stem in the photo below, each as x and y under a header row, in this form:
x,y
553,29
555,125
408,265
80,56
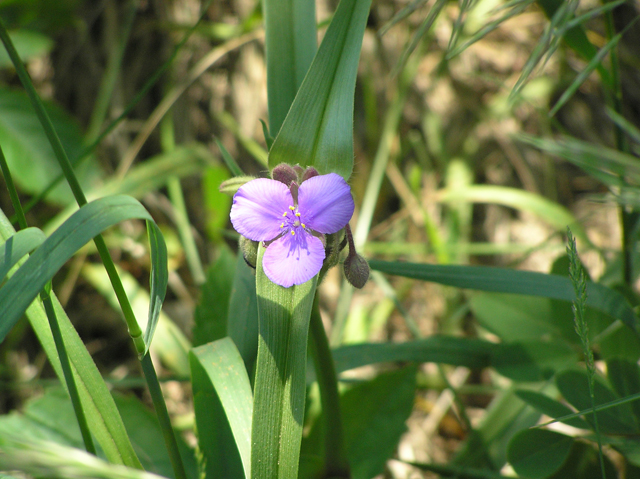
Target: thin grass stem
x,y
579,281
163,416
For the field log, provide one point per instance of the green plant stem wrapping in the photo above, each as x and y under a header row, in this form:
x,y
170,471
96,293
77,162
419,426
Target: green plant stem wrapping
x,y
280,385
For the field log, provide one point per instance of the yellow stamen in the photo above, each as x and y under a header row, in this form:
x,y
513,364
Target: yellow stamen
x,y
292,232
297,214
281,225
292,208
284,214
303,225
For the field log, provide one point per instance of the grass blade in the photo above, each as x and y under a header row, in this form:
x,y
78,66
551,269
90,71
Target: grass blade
x,y
318,130
502,280
17,246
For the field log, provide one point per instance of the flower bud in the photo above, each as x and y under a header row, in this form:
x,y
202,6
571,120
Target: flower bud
x,y
310,172
249,251
284,173
356,269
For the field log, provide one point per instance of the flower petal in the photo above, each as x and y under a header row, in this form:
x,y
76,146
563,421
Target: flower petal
x,y
258,207
293,259
326,203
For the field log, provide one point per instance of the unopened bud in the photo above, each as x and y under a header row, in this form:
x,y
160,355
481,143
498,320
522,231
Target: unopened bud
x,y
284,173
310,172
356,269
231,186
249,250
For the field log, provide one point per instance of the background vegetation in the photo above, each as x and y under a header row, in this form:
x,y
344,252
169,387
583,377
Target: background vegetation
x,y
482,130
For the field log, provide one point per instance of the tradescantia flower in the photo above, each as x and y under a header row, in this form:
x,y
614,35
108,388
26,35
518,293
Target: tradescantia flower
x,y
292,220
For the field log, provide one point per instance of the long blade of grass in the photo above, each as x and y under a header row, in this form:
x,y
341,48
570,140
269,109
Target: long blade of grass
x,y
516,8
24,286
549,211
584,74
105,421
224,368
628,127
458,26
501,280
318,130
17,246
290,27
423,29
401,15
280,380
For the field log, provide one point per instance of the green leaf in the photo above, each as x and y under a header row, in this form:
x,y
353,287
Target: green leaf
x,y
584,462
217,204
27,149
538,453
146,436
28,43
280,385
291,43
501,280
471,353
374,415
318,130
106,423
89,221
169,344
624,376
574,386
210,315
242,319
218,374
551,407
533,360
17,246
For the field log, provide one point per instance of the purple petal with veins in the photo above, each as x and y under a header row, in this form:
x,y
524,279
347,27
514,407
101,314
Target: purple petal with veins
x,y
258,207
325,202
293,259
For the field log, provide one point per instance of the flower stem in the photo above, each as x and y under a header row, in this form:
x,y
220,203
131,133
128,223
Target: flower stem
x,y
335,461
163,416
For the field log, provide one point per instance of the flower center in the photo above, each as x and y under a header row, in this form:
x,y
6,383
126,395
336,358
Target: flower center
x,y
293,223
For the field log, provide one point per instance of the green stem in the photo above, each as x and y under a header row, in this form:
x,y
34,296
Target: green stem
x,y
163,416
134,329
66,369
53,321
335,460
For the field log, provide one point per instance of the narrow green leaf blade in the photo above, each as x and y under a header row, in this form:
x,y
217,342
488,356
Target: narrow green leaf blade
x,y
105,421
501,280
318,130
472,353
225,371
550,407
280,385
291,43
538,453
81,227
17,246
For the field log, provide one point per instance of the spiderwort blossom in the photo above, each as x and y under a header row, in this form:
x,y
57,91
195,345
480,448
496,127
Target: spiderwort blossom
x,y
292,220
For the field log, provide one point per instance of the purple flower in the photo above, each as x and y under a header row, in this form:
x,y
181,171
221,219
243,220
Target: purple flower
x,y
265,210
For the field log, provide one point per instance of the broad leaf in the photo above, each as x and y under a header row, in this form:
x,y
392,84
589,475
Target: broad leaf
x,y
538,453
280,386
27,149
